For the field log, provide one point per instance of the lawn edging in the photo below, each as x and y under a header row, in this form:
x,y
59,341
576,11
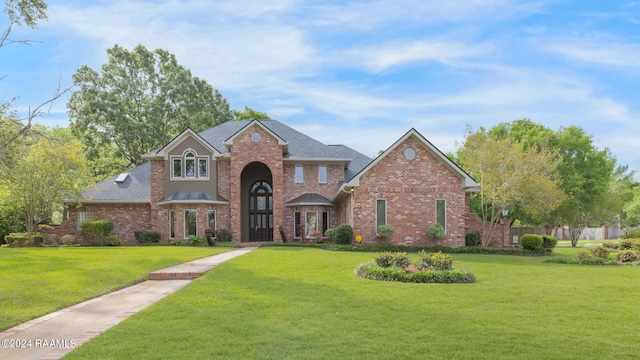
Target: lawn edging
x,y
414,249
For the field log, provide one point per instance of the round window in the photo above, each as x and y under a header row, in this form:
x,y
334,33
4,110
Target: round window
x,y
409,153
256,136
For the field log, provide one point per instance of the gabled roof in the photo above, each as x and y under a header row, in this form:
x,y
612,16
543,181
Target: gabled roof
x,y
281,142
468,184
165,150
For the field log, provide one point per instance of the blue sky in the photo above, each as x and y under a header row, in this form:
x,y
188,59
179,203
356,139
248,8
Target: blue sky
x,y
362,73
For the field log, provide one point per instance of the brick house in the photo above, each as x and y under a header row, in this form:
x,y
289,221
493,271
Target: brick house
x,y
261,180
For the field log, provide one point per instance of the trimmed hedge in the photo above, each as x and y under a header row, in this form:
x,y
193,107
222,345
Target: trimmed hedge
x,y
416,249
343,234
472,239
371,271
531,241
144,236
96,231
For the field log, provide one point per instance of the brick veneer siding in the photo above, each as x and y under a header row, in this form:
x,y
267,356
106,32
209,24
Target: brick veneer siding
x,y
411,188
126,218
243,152
159,214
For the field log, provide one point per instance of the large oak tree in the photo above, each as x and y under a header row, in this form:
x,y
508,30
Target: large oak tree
x,y
139,101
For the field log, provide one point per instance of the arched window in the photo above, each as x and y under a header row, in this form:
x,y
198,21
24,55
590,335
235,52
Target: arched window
x,y
190,166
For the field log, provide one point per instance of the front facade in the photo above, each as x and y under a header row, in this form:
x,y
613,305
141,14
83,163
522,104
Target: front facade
x,y
264,181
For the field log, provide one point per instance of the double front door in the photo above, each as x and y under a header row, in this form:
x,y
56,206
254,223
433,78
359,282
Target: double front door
x,y
260,211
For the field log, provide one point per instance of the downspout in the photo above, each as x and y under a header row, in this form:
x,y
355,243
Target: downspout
x,y
351,193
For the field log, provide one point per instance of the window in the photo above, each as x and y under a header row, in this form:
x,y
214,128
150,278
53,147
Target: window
x,y
190,222
172,224
211,222
322,174
297,227
325,222
312,223
441,213
83,216
381,212
299,174
202,168
190,166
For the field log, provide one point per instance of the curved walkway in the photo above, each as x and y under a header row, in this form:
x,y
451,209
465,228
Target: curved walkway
x,y
53,335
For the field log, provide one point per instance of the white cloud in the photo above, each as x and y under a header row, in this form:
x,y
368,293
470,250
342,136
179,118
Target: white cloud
x,y
602,51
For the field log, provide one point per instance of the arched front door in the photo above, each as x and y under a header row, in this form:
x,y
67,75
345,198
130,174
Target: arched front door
x,y
260,211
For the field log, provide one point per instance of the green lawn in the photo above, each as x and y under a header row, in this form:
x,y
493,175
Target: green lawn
x,y
37,281
293,303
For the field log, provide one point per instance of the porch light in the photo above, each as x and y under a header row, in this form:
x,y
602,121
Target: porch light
x,y
505,211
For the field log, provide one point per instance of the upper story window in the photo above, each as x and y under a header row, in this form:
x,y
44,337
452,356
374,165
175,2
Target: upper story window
x,y
299,174
190,166
322,174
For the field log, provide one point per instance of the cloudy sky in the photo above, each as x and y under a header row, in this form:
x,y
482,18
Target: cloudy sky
x,y
362,73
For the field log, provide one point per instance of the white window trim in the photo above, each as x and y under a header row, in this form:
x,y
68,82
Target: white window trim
x,y
326,174
309,232
215,220
445,214
172,221
183,165
184,219
295,174
386,209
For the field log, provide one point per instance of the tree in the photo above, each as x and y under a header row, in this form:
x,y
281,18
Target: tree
x,y
139,102
249,114
51,169
508,175
585,174
29,13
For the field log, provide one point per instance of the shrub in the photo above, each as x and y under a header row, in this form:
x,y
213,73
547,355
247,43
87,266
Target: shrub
x,y
144,236
611,245
401,260
600,252
384,232
630,233
17,239
195,240
371,271
549,242
175,242
95,231
472,239
330,235
626,256
531,241
112,240
593,261
68,240
344,234
384,260
435,261
37,240
436,231
224,235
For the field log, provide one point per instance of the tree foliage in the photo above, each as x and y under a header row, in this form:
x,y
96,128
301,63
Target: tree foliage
x,y
51,169
249,114
509,174
139,101
585,176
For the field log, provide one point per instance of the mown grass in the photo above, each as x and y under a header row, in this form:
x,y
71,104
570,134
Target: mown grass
x,y
294,303
37,281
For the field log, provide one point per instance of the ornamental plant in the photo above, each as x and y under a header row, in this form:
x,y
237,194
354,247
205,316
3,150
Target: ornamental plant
x,y
626,256
531,241
436,231
384,232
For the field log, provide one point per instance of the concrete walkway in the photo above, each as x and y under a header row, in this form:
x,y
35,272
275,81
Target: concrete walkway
x,y
52,336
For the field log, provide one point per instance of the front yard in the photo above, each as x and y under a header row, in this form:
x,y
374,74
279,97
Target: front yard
x,y
37,281
296,303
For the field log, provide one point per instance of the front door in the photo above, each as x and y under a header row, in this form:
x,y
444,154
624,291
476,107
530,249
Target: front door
x,y
260,211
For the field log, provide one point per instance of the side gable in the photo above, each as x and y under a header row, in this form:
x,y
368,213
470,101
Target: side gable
x,y
467,182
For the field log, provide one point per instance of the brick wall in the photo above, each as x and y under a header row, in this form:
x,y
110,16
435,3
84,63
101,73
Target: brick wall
x,y
411,188
126,218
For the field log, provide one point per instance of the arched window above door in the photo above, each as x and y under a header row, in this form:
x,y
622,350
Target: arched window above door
x,y
190,166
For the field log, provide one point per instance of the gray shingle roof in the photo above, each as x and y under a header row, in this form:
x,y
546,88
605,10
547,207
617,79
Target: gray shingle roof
x,y
136,187
309,199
